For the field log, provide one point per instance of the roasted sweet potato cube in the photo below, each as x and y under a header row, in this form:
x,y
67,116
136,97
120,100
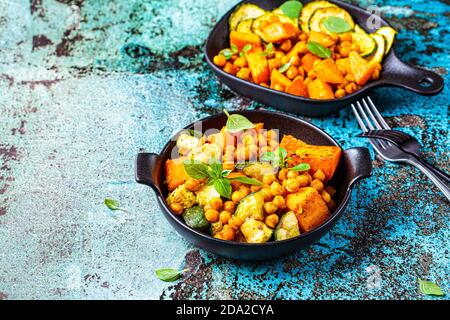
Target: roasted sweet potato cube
x,y
259,68
298,87
297,49
175,173
327,71
321,38
240,39
319,89
308,61
325,158
309,208
360,68
342,65
291,143
277,32
278,78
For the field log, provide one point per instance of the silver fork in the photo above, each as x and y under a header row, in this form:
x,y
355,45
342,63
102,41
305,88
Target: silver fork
x,y
369,118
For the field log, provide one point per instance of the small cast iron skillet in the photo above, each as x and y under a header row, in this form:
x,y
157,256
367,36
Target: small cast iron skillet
x,y
354,164
394,73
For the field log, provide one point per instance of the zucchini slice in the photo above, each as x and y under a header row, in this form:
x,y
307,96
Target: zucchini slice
x,y
308,11
381,46
366,43
259,22
245,26
243,12
279,12
322,13
389,34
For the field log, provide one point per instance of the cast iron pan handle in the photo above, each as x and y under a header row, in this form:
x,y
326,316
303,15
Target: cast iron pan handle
x,y
148,166
359,164
413,78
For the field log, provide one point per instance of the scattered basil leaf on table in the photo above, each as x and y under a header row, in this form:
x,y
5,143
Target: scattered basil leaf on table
x,y
236,122
318,49
169,275
291,8
225,173
336,24
301,167
113,204
247,180
286,66
429,288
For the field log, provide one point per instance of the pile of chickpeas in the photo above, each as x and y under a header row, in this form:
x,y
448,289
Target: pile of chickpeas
x,y
343,45
275,186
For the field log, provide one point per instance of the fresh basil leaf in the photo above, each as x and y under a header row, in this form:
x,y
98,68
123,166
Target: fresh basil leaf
x,y
247,180
430,288
247,47
169,275
196,169
223,187
225,173
241,54
112,204
292,8
269,48
241,166
236,122
336,24
234,48
267,156
318,49
282,153
263,54
216,169
301,167
227,53
286,66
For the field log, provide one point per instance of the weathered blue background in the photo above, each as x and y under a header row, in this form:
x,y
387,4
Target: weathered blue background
x,y
84,85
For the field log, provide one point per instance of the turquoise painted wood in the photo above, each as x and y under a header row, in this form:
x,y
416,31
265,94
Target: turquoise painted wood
x,y
85,85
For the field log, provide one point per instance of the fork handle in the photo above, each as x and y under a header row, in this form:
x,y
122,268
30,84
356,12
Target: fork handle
x,y
441,174
435,178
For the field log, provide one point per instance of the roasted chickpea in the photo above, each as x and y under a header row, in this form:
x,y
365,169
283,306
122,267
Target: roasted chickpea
x,y
176,208
292,72
292,174
248,139
286,45
307,80
274,63
244,189
331,190
216,204
282,174
276,188
346,43
224,216
212,215
345,37
228,233
279,55
296,62
292,185
344,51
270,207
268,178
229,206
230,68
355,47
339,93
285,60
303,180
255,188
240,62
272,135
243,73
267,194
219,60
317,184
349,77
192,184
301,72
278,87
272,220
312,74
235,222
303,37
237,196
279,202
325,196
331,205
319,174
350,88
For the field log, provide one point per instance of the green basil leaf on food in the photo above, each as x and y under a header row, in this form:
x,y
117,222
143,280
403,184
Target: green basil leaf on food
x,y
237,122
318,49
269,48
430,288
196,169
225,173
223,187
301,167
286,66
227,53
112,204
169,275
267,156
234,48
292,8
247,47
282,153
247,180
336,24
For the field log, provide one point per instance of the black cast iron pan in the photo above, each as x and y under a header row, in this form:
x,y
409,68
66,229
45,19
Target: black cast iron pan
x,y
394,73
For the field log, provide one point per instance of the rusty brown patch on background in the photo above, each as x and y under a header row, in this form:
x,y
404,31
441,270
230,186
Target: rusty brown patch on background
x,y
45,83
20,129
39,41
64,48
3,296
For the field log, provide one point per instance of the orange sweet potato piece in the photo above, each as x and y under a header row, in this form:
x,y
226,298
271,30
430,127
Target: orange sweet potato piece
x,y
342,65
291,143
360,68
258,66
298,87
308,61
278,78
240,39
321,38
298,48
319,89
175,173
325,158
309,208
327,71
277,32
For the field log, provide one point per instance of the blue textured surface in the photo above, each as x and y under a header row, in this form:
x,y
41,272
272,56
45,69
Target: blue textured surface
x,y
78,101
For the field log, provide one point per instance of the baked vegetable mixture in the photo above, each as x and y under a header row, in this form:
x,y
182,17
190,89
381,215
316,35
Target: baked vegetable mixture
x,y
316,51
242,184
